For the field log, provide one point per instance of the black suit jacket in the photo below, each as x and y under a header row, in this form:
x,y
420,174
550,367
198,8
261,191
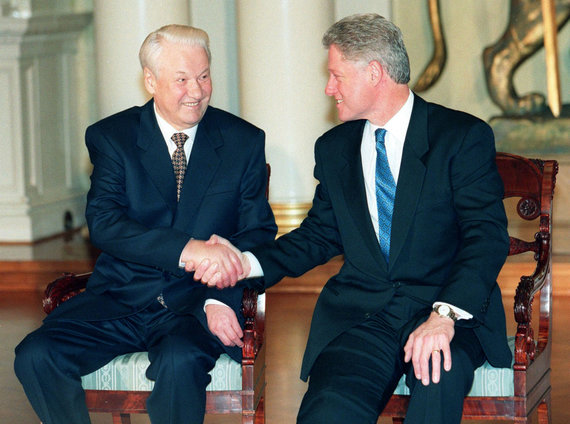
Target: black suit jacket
x,y
141,229
448,240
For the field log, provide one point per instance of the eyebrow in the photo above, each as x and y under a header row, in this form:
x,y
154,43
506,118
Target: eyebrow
x,y
199,73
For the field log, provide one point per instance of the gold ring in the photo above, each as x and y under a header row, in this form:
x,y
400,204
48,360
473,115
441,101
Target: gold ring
x,y
436,350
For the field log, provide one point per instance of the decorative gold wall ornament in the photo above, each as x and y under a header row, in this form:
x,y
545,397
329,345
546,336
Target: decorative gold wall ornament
x,y
435,66
531,25
551,53
289,216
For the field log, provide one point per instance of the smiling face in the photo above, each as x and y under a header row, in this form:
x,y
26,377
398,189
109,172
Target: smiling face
x,y
181,86
351,85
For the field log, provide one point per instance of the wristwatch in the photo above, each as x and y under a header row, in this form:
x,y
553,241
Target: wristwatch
x,y
445,311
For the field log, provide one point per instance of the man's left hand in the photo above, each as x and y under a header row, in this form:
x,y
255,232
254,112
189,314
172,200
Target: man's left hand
x,y
223,323
430,339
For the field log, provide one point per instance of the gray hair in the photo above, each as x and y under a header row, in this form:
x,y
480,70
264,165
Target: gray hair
x,y
183,34
368,37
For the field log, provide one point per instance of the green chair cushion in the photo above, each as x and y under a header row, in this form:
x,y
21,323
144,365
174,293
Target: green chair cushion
x,y
127,372
488,381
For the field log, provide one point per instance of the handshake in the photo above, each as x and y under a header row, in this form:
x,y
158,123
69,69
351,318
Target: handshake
x,y
215,262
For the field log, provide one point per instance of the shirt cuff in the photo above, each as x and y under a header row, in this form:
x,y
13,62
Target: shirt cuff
x,y
459,313
255,266
213,302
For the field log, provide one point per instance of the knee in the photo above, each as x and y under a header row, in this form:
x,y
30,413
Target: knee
x,y
30,355
459,377
179,358
177,351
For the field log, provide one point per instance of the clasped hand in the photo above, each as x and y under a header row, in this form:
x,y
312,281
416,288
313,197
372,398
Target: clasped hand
x,y
215,262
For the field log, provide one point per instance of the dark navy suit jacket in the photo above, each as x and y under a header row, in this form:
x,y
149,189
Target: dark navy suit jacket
x,y
141,229
448,241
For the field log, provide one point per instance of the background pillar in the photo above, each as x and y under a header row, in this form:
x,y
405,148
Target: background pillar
x,y
119,33
283,72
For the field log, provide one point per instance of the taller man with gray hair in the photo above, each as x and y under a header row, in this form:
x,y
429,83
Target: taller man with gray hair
x,y
165,176
408,191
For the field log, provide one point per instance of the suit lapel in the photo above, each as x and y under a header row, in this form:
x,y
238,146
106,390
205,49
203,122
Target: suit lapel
x,y
202,166
352,182
155,158
411,177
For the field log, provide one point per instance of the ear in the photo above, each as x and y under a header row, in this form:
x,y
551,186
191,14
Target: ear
x,y
376,72
149,80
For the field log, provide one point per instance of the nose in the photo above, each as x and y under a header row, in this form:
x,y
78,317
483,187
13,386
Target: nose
x,y
194,89
330,88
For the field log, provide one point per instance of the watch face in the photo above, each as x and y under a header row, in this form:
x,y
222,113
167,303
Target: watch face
x,y
443,310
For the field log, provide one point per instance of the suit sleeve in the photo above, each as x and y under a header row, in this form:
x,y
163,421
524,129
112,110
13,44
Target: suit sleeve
x,y
255,221
477,197
111,228
313,243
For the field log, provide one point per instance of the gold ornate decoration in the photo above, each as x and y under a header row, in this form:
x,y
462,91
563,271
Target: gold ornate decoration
x,y
289,216
435,66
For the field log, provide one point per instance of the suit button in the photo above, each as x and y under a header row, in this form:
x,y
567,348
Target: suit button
x,y
396,285
367,315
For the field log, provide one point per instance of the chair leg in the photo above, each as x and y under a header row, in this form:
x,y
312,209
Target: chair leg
x,y
260,412
119,418
544,415
247,418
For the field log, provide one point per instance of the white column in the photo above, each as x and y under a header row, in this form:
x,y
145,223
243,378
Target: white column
x,y
120,29
218,19
41,175
282,80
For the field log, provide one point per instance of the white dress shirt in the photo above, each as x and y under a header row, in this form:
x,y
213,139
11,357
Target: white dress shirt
x,y
168,130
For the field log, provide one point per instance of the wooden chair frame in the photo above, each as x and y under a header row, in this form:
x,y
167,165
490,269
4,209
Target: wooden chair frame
x,y
532,180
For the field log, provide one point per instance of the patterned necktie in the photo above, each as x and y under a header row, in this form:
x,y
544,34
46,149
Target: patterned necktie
x,y
179,160
385,193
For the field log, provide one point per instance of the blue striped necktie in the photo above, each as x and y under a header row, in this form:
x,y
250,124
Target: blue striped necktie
x,y
385,193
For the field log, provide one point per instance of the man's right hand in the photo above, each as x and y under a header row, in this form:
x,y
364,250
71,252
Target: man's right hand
x,y
220,265
207,272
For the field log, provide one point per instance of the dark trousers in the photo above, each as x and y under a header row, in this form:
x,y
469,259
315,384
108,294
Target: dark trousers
x,y
355,375
51,360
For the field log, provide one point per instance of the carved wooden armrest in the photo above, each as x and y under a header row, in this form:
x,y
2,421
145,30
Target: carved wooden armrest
x,y
62,289
528,347
254,325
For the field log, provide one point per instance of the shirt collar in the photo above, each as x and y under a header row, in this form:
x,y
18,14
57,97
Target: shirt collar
x,y
168,130
397,126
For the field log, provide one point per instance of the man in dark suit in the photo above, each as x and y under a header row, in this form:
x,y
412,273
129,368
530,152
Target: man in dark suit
x,y
409,193
148,223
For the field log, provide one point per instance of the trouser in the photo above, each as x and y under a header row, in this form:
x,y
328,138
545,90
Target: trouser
x,y
354,376
51,360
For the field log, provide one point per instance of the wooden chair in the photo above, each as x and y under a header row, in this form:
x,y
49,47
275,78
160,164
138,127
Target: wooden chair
x,y
226,394
517,392
121,387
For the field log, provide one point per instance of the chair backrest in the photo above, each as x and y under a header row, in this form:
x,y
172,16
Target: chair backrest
x,y
533,181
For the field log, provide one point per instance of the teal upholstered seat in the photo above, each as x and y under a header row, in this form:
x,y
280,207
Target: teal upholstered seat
x,y
488,381
127,372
